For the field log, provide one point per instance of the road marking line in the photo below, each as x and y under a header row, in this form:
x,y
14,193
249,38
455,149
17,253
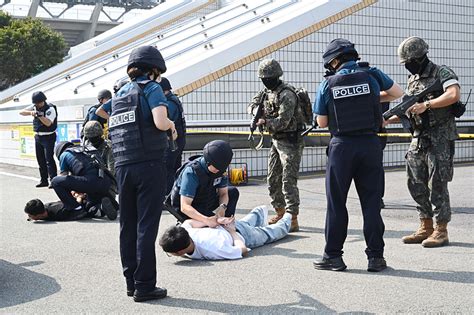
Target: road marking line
x,y
19,176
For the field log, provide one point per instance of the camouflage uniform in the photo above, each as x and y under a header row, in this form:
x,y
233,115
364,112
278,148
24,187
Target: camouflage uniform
x,y
430,156
284,121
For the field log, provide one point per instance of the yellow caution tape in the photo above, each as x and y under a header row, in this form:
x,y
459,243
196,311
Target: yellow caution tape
x,y
319,134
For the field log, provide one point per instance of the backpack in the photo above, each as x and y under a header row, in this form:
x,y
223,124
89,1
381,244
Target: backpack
x,y
304,102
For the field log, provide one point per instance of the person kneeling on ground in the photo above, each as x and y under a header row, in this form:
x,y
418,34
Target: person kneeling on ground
x,y
231,240
200,191
80,173
51,211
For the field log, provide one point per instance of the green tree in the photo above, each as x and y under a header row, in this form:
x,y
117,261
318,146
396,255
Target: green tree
x,y
27,47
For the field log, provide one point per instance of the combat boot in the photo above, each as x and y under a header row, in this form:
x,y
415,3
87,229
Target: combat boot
x,y
439,236
280,212
423,232
294,223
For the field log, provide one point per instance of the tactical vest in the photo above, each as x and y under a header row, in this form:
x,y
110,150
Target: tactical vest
x,y
179,121
434,116
134,139
205,188
355,108
82,163
91,114
271,105
38,126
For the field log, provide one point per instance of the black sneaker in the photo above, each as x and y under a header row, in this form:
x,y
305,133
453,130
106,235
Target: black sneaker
x,y
108,208
130,292
376,264
334,264
156,293
42,184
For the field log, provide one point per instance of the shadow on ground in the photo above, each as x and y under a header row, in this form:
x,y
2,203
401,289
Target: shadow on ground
x,y
19,285
305,305
436,275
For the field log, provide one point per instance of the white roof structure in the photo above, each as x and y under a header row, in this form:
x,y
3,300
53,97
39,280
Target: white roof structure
x,y
197,51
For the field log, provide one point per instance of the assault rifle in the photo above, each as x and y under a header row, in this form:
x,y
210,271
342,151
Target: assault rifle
x,y
253,122
400,110
100,165
313,127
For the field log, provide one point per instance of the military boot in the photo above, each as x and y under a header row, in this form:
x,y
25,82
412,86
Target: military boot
x,y
280,212
423,232
294,223
439,236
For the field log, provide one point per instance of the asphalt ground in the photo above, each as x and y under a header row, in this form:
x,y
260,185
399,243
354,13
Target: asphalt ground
x,y
74,267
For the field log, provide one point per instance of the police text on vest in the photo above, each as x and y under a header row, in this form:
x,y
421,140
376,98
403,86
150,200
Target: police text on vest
x,y
348,91
122,119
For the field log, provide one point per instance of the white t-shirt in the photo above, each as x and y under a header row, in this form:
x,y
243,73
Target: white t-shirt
x,y
212,243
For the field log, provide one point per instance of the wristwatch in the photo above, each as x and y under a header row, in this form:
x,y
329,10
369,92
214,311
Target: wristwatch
x,y
224,206
427,104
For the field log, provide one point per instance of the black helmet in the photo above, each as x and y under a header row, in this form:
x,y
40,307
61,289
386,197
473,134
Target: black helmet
x,y
104,94
119,83
165,84
60,147
218,153
336,48
147,55
38,97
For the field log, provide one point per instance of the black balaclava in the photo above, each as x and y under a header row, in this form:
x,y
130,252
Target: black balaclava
x,y
417,66
96,141
271,83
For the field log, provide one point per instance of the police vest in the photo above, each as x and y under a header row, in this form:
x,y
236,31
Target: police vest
x,y
91,114
205,190
179,121
134,139
38,126
82,164
355,108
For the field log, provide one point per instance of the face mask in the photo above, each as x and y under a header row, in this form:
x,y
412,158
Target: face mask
x,y
416,66
96,141
271,83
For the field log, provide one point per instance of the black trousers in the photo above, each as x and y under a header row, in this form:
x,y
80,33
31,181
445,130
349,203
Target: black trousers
x,y
95,187
357,158
141,194
44,148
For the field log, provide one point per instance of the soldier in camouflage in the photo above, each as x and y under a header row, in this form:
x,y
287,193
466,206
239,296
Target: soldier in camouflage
x,y
284,121
430,155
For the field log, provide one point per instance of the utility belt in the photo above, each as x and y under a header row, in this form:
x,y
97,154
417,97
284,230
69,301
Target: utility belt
x,y
291,136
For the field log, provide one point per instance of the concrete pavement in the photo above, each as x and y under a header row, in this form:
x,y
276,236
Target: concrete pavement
x,y
74,267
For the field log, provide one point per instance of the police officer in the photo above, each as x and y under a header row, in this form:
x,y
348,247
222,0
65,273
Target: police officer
x,y
176,114
348,102
104,110
430,155
284,120
138,126
200,192
45,122
102,97
79,174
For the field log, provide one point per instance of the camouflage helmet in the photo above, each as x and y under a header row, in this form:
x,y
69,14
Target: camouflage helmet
x,y
93,129
412,48
269,68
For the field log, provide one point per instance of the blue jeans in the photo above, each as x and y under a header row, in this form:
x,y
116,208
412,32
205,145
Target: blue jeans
x,y
255,234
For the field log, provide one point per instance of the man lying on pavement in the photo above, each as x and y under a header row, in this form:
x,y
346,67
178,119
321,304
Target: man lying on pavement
x,y
231,240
